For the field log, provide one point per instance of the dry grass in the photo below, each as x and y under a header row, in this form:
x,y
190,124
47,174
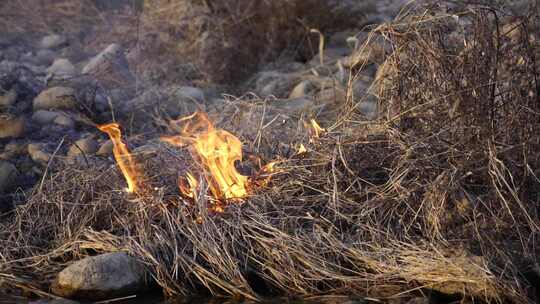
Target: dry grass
x,y
444,196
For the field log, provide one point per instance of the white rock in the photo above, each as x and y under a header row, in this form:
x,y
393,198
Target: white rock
x,y
62,68
53,41
65,121
101,277
55,98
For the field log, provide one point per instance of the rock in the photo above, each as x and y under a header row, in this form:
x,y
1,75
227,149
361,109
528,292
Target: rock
x,y
106,148
11,127
101,277
61,69
37,154
8,176
45,117
53,41
110,67
304,88
274,84
87,145
185,100
8,98
292,105
12,149
44,57
64,121
55,98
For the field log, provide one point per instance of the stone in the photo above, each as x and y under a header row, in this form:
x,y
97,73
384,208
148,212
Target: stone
x,y
87,145
185,100
55,98
8,98
44,57
11,127
8,176
101,277
64,121
304,88
37,153
106,148
110,66
12,150
53,41
44,117
62,69
274,84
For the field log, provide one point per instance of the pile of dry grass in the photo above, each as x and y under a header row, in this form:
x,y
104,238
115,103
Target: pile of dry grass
x,y
440,194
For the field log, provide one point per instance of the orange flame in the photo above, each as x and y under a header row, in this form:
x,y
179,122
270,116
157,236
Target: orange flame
x,y
301,150
217,150
123,157
189,190
317,130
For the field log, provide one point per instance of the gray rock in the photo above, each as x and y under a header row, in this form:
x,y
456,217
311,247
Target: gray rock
x,y
64,121
53,41
8,176
304,88
8,98
110,66
106,148
44,117
87,145
274,84
101,277
12,150
37,153
44,57
11,127
55,98
62,69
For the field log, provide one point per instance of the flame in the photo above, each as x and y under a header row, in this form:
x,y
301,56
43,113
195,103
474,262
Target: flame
x,y
217,150
301,150
317,130
123,157
189,190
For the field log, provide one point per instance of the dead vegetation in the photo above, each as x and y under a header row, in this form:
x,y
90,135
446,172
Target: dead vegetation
x,y
443,196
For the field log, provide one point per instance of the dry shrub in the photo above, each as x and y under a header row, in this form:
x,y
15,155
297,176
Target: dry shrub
x,y
440,195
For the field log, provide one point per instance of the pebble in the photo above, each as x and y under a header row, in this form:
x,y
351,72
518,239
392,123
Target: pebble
x,y
304,88
106,148
65,121
8,176
62,68
8,98
37,154
11,127
87,145
45,117
53,41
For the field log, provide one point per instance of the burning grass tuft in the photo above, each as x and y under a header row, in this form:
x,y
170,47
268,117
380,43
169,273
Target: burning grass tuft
x,y
440,193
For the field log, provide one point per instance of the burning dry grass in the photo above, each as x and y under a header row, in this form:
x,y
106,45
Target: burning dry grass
x,y
444,196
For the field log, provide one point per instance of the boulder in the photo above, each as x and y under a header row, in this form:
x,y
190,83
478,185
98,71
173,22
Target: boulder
x,y
8,176
101,277
11,127
53,41
55,98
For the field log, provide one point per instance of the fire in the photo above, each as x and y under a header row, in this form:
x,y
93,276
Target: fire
x,y
123,157
317,130
217,150
301,150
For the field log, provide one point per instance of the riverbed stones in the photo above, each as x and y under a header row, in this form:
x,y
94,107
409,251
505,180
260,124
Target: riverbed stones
x,y
100,277
55,98
8,176
304,88
106,148
38,154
